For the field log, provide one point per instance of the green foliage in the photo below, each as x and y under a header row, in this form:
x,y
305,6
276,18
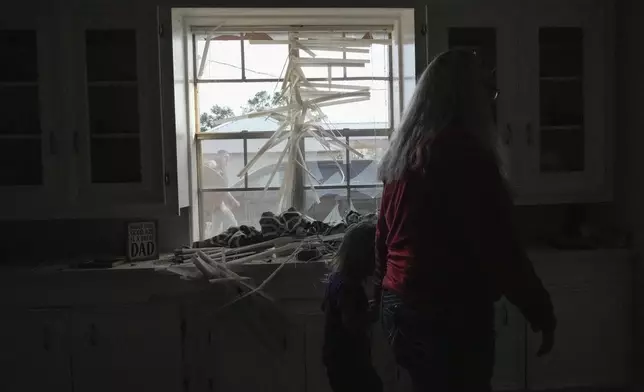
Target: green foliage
x,y
262,100
207,120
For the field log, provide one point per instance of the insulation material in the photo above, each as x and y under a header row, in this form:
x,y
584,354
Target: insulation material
x,y
302,115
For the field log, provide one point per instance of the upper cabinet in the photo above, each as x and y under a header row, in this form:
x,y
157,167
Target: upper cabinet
x,y
82,127
114,106
566,120
80,105
30,135
551,66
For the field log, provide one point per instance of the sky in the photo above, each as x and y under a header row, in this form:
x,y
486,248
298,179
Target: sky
x,y
268,61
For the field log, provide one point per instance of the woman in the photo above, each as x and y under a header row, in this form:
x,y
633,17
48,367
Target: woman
x,y
445,246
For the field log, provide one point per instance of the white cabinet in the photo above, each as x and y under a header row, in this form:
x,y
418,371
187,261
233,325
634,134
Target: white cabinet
x,y
34,351
113,107
30,131
592,297
127,348
247,347
509,363
316,378
563,61
553,71
81,112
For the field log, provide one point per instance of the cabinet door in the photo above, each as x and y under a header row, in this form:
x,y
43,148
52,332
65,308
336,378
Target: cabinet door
x,y
565,100
489,31
34,351
592,301
30,132
249,346
132,348
114,105
509,363
316,378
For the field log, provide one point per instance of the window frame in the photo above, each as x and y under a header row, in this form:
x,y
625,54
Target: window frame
x,y
401,79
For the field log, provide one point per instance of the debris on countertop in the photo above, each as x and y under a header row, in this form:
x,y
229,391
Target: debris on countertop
x,y
286,238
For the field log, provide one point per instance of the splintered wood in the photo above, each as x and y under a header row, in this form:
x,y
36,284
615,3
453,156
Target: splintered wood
x,y
215,264
301,113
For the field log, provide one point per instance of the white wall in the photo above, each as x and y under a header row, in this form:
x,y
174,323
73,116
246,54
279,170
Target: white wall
x,y
629,184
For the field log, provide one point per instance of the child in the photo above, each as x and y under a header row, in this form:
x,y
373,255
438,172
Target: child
x,y
347,343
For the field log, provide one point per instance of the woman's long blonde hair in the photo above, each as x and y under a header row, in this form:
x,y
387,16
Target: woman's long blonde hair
x,y
452,93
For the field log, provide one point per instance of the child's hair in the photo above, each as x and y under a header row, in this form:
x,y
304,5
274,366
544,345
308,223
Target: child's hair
x,y
355,259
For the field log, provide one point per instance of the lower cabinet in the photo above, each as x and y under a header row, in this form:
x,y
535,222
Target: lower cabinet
x,y
128,348
34,351
197,347
247,347
509,365
316,378
592,296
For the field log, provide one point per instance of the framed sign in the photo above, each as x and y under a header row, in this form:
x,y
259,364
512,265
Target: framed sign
x,y
142,241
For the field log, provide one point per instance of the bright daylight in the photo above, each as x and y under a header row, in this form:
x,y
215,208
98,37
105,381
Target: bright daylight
x,y
241,87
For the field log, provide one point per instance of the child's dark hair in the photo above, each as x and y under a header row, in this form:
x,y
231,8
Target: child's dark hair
x,y
355,259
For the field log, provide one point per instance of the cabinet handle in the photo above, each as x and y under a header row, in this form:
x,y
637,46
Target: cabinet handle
x,y
93,335
506,320
46,338
53,147
76,143
528,131
184,331
508,134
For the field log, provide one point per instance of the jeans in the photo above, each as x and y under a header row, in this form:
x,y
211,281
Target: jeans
x,y
447,348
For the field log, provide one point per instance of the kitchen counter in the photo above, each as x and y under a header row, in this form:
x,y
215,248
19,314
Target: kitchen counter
x,y
130,312
55,286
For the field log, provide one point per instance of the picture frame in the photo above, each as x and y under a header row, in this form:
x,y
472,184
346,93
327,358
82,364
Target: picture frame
x,y
142,240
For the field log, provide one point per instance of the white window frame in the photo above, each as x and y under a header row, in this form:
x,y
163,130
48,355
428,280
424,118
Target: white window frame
x,y
185,21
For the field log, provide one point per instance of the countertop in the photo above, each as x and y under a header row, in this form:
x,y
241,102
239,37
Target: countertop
x,y
56,285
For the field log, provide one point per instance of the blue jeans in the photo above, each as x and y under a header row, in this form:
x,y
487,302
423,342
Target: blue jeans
x,y
444,349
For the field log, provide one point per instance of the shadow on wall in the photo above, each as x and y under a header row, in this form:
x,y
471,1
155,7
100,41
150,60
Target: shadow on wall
x,y
26,242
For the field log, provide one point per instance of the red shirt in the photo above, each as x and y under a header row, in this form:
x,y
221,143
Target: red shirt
x,y
445,233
